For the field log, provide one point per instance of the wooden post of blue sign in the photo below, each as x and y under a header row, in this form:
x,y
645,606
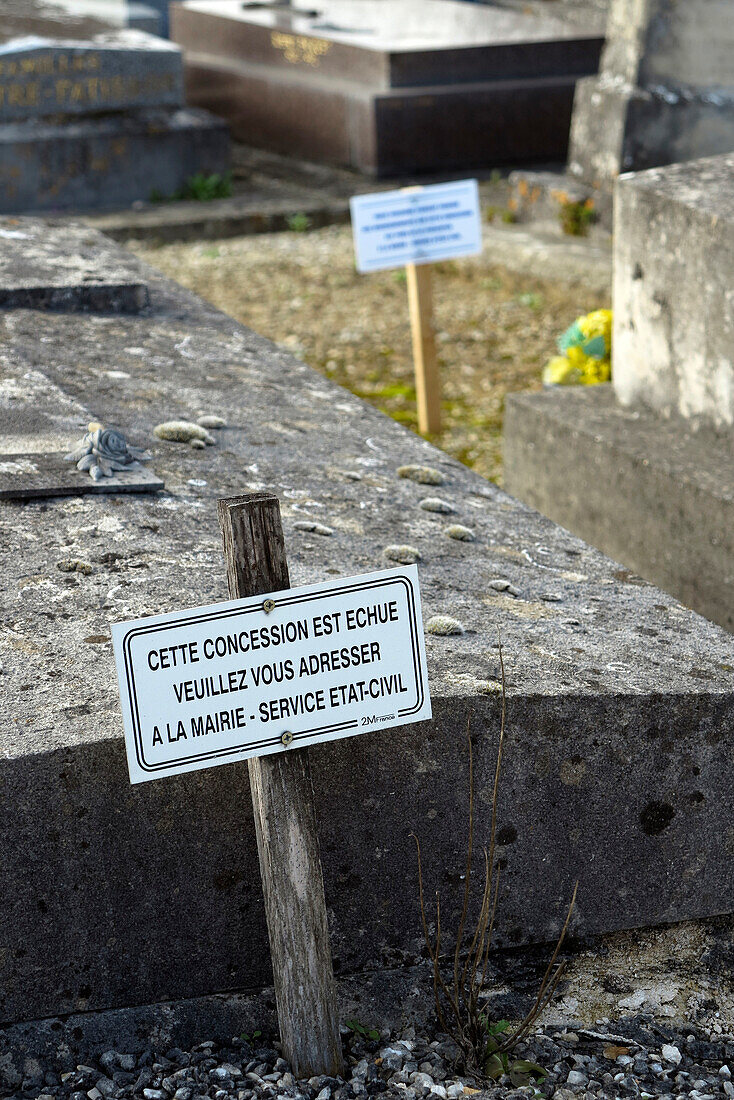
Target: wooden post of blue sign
x,y
285,823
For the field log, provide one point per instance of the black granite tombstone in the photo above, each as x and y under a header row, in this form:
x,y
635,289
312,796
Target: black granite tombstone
x,y
408,85
94,118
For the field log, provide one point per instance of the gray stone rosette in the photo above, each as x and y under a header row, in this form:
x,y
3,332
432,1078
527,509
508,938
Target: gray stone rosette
x,y
104,452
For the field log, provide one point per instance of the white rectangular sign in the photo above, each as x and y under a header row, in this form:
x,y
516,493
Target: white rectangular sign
x,y
416,225
210,685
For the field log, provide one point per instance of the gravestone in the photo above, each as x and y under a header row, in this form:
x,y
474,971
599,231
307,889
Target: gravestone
x,y
97,122
665,92
646,468
386,88
620,722
673,322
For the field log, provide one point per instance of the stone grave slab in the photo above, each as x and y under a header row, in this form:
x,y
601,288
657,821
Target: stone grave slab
x,y
97,122
54,267
665,91
31,476
418,84
620,715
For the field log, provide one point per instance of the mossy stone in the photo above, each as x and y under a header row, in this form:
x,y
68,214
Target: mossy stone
x,y
460,533
424,475
444,625
435,504
182,431
406,555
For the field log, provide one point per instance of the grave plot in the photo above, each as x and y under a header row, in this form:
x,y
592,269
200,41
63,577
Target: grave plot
x,y
426,85
97,122
620,704
646,468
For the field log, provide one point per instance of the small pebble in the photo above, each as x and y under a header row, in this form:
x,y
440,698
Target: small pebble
x,y
406,555
182,431
443,625
435,504
460,533
500,584
425,475
197,445
671,1054
313,527
211,421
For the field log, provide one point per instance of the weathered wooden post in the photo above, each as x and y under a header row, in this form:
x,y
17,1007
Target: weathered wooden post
x,y
425,363
285,823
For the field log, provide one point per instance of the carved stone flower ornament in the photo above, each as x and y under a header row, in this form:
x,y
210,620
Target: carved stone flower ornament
x,y
104,452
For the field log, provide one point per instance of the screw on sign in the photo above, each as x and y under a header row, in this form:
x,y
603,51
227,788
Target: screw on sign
x,y
261,679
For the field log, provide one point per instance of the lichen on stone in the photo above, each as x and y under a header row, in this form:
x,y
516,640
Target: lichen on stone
x,y
406,555
74,565
460,533
435,504
443,625
425,475
182,431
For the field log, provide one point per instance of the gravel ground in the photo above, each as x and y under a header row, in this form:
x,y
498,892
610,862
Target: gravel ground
x,y
495,326
634,1057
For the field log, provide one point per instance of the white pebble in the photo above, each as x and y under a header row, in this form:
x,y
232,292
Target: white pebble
x,y
671,1054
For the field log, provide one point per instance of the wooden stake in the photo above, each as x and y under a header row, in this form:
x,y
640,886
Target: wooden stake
x,y
427,384
285,822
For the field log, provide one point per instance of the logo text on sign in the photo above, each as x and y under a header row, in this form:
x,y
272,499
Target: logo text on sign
x,y
416,225
214,684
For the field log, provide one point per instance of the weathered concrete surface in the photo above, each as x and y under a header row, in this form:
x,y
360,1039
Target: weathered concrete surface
x,y
62,267
620,714
647,491
665,92
106,161
673,345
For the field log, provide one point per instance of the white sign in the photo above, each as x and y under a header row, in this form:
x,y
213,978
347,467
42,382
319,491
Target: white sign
x,y
416,225
233,680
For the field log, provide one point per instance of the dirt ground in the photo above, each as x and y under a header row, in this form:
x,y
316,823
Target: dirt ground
x,y
495,327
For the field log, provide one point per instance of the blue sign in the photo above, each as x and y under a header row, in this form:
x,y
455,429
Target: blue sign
x,y
418,225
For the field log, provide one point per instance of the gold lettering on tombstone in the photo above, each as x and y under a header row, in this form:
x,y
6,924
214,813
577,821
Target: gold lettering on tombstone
x,y
21,95
299,49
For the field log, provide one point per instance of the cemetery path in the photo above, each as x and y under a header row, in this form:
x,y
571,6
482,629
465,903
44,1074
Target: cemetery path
x,y
496,322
